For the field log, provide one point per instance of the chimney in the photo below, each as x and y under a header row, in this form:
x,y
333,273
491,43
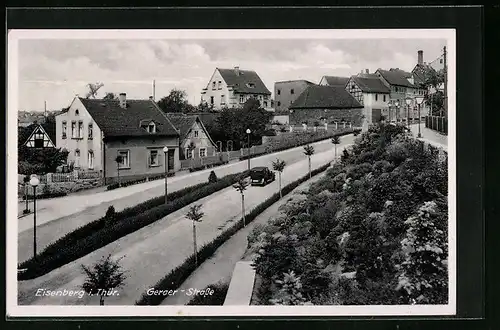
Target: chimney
x,y
420,57
367,71
237,70
123,100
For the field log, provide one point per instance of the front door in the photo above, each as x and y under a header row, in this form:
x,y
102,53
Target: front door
x,y
171,159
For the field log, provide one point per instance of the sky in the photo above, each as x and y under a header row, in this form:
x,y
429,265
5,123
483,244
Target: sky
x,y
55,70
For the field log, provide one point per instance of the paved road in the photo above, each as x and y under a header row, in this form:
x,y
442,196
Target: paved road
x,y
153,251
57,217
435,138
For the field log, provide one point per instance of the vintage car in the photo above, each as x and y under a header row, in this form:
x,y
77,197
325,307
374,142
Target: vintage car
x,y
261,176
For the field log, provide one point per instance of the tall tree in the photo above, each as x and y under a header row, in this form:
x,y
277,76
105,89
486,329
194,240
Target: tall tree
x,y
176,101
279,166
309,151
241,186
104,276
195,215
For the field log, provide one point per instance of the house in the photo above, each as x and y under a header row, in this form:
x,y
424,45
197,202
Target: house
x,y
97,131
402,85
192,132
326,104
233,87
41,136
422,70
286,92
373,94
333,81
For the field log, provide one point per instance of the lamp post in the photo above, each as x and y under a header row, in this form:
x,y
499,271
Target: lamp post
x,y
396,104
408,101
390,104
419,100
34,182
248,145
165,153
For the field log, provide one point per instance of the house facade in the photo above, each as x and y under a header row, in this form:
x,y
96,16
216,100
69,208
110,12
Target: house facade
x,y
41,136
233,87
195,141
373,94
422,70
97,133
286,92
326,104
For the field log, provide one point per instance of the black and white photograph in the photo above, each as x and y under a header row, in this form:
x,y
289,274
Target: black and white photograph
x,y
231,172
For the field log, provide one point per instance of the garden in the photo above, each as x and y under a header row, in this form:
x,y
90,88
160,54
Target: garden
x,y
373,231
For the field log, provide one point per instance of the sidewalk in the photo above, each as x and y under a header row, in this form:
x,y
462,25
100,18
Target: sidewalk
x,y
430,136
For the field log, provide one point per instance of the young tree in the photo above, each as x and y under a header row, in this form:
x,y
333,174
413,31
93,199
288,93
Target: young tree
x,y
241,186
309,151
118,161
279,166
212,178
103,277
195,214
191,148
335,141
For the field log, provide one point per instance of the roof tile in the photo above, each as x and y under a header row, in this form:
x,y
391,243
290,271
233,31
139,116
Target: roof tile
x,y
325,97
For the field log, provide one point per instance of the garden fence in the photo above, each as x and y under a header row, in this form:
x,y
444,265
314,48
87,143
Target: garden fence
x,y
437,123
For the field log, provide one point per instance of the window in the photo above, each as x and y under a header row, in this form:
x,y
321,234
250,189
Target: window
x,y
440,61
91,159
195,133
124,159
189,153
376,97
279,103
222,101
73,129
77,158
219,85
152,128
292,91
80,129
203,152
279,91
211,100
38,138
353,87
64,129
77,112
153,158
91,131
213,85
242,99
265,104
384,97
251,85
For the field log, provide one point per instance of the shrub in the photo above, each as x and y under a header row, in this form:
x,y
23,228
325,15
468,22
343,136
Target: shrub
x,y
46,196
95,234
216,299
197,168
142,180
110,216
212,177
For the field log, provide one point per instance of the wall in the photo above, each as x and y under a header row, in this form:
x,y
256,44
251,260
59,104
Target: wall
x,y
285,98
84,144
298,116
284,119
138,153
56,187
219,91
202,141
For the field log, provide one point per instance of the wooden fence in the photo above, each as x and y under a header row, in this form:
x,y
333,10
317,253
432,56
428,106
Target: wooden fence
x,y
69,177
437,123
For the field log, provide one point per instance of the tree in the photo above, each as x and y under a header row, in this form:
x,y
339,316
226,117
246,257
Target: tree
x,y
195,214
110,96
191,148
241,186
279,166
118,161
103,277
212,178
93,89
335,141
309,151
176,101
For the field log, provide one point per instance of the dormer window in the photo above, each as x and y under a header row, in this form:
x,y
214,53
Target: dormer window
x,y
148,125
250,85
152,127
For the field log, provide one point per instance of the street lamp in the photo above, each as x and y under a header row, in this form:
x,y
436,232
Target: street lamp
x,y
390,104
419,100
165,153
408,101
248,145
34,182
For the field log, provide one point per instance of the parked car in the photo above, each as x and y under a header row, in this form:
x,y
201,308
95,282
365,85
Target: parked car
x,y
261,176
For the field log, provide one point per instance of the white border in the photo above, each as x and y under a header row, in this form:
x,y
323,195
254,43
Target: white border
x,y
13,310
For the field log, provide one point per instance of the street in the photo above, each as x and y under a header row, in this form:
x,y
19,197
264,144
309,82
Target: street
x,y
151,252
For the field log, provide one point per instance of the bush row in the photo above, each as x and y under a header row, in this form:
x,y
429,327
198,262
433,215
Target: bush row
x,y
101,232
45,196
132,182
178,275
293,144
205,166
215,299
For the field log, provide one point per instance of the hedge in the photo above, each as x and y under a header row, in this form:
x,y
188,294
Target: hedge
x,y
178,275
321,138
99,233
45,196
132,182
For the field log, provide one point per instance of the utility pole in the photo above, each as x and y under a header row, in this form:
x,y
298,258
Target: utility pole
x,y
445,83
154,90
45,109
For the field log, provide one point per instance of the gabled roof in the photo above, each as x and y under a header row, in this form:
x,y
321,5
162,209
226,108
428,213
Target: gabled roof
x,y
240,81
115,121
421,71
336,81
184,123
325,97
47,130
371,85
396,77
